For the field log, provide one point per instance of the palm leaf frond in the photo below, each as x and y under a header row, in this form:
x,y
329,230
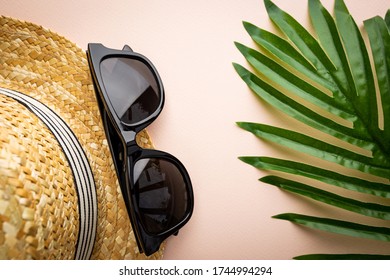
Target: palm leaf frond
x,y
369,209
344,98
343,257
327,176
338,226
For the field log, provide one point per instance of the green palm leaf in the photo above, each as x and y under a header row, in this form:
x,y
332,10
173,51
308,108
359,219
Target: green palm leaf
x,y
332,73
342,257
338,226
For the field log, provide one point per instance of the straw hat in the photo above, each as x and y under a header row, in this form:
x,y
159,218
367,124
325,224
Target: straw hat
x,y
59,196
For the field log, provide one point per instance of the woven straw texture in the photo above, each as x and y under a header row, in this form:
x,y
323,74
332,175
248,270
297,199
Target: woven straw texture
x,y
38,199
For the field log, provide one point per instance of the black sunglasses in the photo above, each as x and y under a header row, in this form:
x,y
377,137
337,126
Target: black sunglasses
x,y
155,185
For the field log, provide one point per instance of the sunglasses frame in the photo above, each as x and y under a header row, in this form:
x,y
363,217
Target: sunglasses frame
x,y
148,243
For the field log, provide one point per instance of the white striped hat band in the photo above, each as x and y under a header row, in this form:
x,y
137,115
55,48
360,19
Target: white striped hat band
x,y
78,162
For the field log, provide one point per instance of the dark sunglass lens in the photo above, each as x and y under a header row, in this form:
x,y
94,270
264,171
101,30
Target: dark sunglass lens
x,y
131,87
162,194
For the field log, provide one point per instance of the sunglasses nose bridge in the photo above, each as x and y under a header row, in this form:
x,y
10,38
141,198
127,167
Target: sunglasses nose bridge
x,y
129,135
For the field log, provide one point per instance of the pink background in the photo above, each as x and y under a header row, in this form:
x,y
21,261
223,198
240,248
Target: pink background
x,y
191,44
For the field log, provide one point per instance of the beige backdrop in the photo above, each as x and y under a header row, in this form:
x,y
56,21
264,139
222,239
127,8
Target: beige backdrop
x,y
191,44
